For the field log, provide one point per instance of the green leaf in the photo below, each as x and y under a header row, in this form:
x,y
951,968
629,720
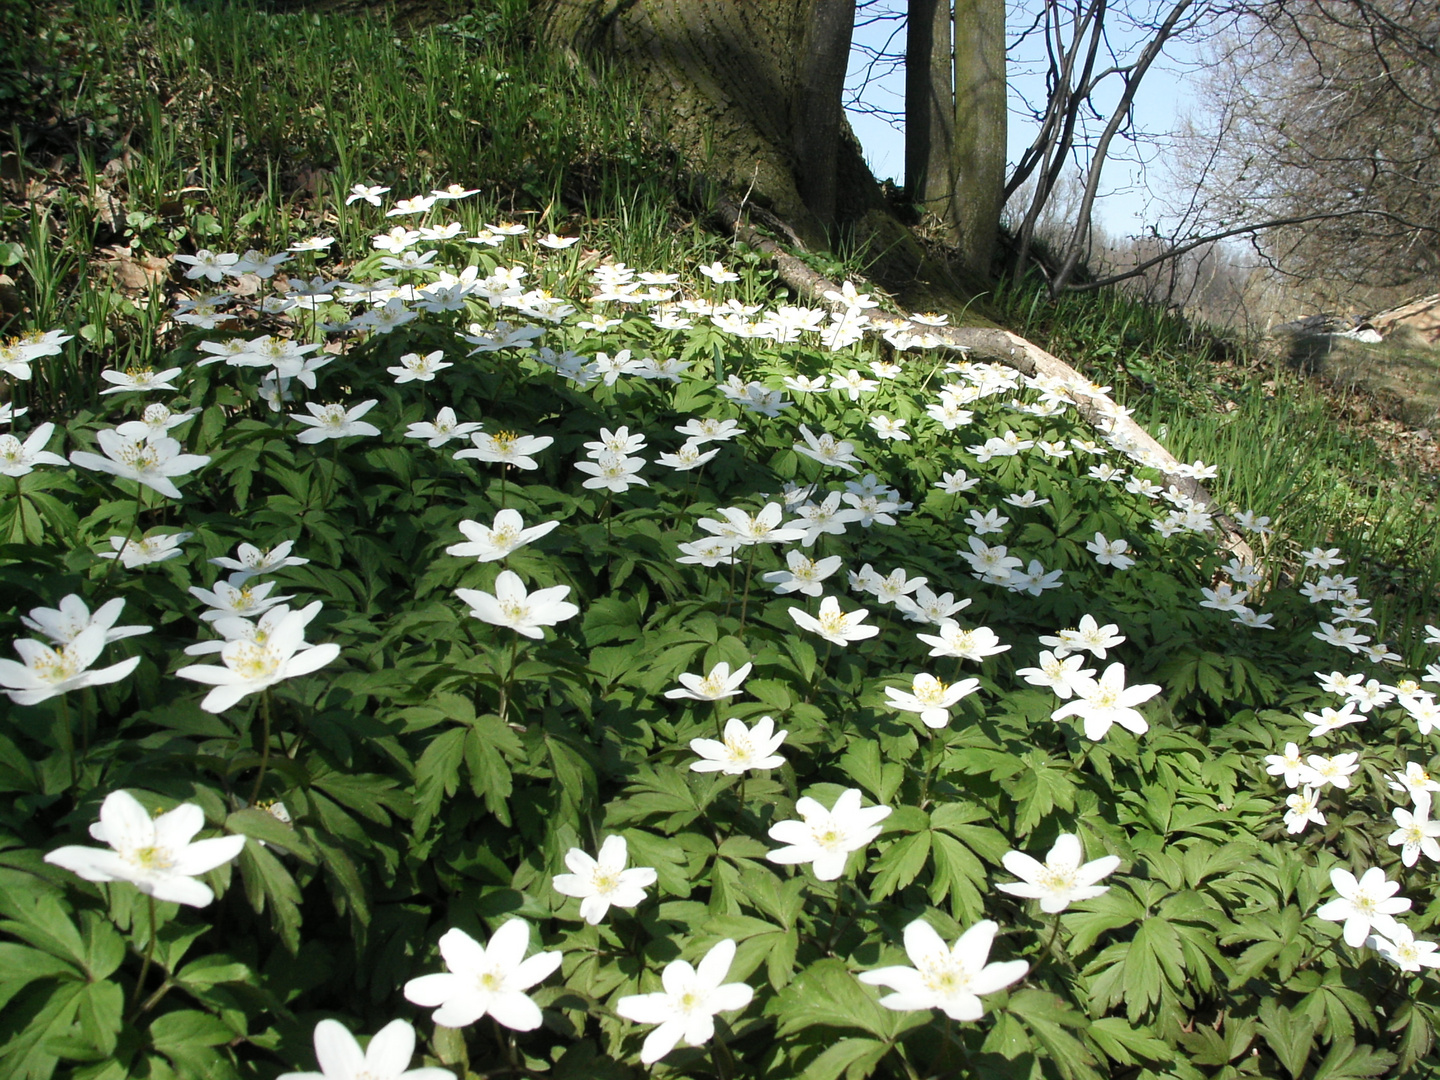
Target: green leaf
x,y
900,864
188,1026
826,994
861,762
1288,1034
1346,1060
36,914
437,776
1040,789
1154,960
856,1058
21,965
27,1056
269,884
98,1009
261,825
1126,1045
1050,1020
209,970
958,875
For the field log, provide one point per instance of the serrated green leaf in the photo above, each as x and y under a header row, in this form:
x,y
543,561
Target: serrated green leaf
x,y
261,825
900,864
856,1058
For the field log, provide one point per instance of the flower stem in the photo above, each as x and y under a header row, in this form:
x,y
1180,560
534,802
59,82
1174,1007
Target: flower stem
x,y
20,507
264,745
84,728
334,473
509,675
723,1059
119,555
1054,932
745,595
67,740
149,953
835,919
819,670
507,1043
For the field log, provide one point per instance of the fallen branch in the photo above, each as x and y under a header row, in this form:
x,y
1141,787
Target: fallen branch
x,y
1003,347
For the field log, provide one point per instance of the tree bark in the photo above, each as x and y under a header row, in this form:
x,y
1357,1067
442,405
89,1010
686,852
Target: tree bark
x,y
725,80
930,108
816,110
980,121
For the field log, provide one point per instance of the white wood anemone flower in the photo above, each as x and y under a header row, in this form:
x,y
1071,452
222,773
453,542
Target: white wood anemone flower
x,y
496,542
719,683
148,461
19,458
159,856
1063,878
931,698
946,978
63,624
742,750
825,837
252,665
524,612
687,1007
47,672
1105,701
1365,903
485,979
387,1057
604,880
835,626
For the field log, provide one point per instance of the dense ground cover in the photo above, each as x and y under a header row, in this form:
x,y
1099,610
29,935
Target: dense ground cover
x,y
400,717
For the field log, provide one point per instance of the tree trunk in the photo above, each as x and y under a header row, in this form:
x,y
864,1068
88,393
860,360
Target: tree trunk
x,y
738,93
929,109
735,86
980,112
817,111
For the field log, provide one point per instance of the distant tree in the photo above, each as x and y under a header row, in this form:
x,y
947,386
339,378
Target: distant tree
x,y
1330,110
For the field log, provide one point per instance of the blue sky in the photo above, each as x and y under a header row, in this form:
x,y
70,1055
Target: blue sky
x,y
1129,188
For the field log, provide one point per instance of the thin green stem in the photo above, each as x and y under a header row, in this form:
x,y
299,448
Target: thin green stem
x,y
264,745
932,759
819,671
149,953
67,741
910,1072
507,1043
84,728
119,555
835,919
1054,932
723,1059
745,596
509,675
20,507
334,474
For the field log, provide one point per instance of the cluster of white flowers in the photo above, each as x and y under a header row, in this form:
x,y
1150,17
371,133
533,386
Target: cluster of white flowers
x,y
261,640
